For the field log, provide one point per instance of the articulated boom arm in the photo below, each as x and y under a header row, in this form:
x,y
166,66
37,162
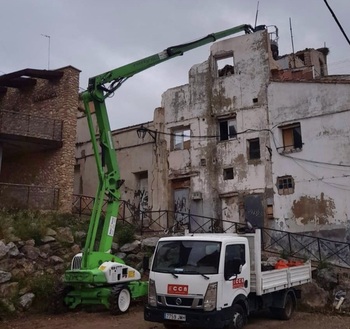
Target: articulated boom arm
x,y
117,76
100,87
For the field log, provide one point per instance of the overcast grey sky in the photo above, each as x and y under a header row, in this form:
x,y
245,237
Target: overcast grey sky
x,y
96,36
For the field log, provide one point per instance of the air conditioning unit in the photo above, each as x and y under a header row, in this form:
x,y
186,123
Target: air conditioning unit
x,y
197,196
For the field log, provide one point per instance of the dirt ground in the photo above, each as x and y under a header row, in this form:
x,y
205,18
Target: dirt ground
x,y
134,320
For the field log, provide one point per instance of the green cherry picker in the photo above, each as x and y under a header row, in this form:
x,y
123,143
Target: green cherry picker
x,y
96,276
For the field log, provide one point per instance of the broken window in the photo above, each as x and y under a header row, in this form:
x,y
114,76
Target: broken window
x,y
254,149
285,185
228,173
228,129
291,135
225,65
181,139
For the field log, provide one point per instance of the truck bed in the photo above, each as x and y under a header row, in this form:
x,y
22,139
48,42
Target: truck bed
x,y
279,279
273,280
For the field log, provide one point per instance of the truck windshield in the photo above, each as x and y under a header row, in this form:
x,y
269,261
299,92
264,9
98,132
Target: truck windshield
x,y
187,257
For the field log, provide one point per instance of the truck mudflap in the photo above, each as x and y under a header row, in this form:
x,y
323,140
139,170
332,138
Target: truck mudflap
x,y
188,318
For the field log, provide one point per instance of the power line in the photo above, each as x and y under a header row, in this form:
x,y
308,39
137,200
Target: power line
x,y
251,131
335,185
337,21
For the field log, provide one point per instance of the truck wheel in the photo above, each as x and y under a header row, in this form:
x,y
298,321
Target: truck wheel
x,y
287,311
239,318
119,300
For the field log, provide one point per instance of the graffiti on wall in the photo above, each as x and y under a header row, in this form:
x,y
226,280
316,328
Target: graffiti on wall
x,y
181,205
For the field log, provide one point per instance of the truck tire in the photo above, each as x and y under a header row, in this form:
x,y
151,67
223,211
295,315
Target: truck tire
x,y
119,300
287,311
239,317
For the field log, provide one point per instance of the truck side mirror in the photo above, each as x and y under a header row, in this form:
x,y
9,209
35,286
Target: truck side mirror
x,y
233,267
236,266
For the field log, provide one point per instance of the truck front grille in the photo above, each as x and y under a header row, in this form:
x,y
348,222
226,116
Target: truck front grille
x,y
181,302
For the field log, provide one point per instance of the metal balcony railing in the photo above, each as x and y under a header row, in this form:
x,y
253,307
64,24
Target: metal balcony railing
x,y
21,196
21,124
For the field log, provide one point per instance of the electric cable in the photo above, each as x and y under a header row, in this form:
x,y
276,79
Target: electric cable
x,y
337,21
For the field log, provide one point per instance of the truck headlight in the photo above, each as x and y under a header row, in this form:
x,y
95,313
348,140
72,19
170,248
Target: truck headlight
x,y
152,293
210,297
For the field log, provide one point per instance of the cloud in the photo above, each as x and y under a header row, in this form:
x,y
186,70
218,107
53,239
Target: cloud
x,y
97,36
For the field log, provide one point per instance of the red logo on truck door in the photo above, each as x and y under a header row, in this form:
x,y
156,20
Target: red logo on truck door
x,y
238,283
178,289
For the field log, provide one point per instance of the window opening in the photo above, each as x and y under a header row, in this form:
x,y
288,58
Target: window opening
x,y
182,139
225,66
254,149
292,137
228,129
285,185
228,173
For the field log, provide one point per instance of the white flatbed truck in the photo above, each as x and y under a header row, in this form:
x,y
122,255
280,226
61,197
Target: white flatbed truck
x,y
216,281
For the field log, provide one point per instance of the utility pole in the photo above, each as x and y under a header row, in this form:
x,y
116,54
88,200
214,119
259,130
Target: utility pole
x,y
48,61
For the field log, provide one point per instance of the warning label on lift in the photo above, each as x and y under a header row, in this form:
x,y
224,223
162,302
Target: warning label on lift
x,y
111,227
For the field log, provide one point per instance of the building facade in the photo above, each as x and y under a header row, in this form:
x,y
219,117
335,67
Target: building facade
x,y
37,138
252,137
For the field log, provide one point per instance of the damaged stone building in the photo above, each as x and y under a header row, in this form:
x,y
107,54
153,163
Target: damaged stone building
x,y
37,138
253,136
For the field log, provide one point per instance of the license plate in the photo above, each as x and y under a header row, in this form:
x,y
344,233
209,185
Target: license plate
x,y
174,317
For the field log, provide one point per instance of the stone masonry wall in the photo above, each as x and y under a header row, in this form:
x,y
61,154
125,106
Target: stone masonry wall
x,y
54,168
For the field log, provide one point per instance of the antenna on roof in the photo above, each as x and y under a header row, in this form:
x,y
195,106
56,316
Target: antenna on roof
x,y
48,61
256,14
291,38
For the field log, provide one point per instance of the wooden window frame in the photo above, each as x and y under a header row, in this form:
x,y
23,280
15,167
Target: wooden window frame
x,y
285,185
291,137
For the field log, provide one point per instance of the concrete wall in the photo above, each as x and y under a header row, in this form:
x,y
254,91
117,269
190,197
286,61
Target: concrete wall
x,y
321,169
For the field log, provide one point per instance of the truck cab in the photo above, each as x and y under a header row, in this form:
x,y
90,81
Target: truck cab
x,y
215,280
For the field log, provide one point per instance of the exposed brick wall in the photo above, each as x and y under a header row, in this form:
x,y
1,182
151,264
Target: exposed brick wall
x,y
51,168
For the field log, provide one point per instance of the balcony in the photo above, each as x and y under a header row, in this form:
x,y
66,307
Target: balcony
x,y
28,197
23,133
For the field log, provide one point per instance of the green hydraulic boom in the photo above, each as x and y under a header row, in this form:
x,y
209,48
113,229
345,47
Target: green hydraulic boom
x,y
96,276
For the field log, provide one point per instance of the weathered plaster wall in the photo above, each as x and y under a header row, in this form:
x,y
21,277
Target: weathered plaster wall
x,y
136,157
205,100
321,169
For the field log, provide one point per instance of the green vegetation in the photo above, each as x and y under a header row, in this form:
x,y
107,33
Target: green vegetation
x,y
124,233
26,224
284,254
323,264
42,287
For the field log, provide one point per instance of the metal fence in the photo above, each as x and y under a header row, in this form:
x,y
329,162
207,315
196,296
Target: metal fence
x,y
22,196
307,246
287,244
17,123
